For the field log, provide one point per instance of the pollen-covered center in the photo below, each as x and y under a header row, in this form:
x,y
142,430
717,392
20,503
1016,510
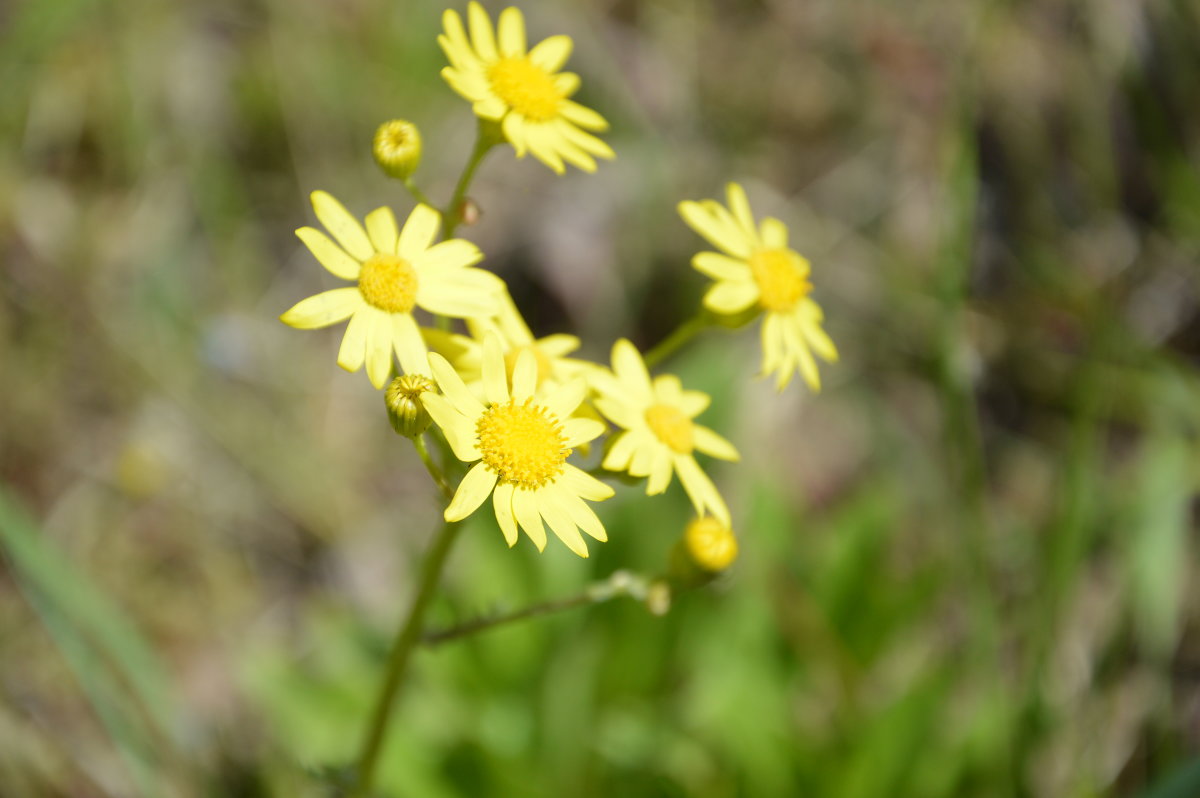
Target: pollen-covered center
x,y
527,89
389,283
782,278
523,443
671,427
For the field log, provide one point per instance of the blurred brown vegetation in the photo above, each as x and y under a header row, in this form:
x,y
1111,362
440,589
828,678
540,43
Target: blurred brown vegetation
x,y
969,564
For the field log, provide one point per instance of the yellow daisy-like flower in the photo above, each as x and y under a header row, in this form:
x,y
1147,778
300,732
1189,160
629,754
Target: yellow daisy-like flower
x,y
397,271
660,435
757,267
521,446
523,91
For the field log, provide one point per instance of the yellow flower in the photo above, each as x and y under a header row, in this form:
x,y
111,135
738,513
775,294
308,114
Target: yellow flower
x,y
521,447
523,91
396,271
660,435
554,368
759,269
710,544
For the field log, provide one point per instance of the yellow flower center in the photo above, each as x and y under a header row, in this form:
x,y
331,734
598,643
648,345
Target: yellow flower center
x,y
388,283
782,278
544,366
523,443
527,89
671,426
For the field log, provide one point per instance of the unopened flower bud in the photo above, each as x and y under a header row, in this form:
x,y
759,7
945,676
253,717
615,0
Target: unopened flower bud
x,y
658,598
710,544
405,409
397,148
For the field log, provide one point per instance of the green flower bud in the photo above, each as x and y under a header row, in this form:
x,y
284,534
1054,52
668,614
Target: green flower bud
x,y
405,409
397,148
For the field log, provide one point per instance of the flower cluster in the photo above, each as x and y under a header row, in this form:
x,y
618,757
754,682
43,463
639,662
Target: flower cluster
x,y
514,408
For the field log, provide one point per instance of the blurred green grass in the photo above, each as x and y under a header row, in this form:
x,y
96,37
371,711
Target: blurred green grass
x,y
969,565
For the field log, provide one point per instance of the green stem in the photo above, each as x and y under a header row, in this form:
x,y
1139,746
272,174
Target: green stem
x,y
621,583
417,193
488,136
438,477
683,333
406,641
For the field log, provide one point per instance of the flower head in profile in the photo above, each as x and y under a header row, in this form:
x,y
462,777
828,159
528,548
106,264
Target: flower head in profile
x,y
660,437
396,271
522,90
520,447
756,268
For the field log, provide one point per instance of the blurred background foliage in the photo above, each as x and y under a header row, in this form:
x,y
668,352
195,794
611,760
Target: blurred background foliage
x,y
968,566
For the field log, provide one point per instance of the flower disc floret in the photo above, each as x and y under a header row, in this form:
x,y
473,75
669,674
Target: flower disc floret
x,y
389,283
671,427
526,88
522,442
782,278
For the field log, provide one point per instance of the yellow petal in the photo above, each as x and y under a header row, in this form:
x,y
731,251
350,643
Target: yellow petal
x,y
455,35
584,484
774,233
495,376
482,37
409,344
621,453
560,521
321,310
567,83
583,516
558,344
809,320
418,232
631,371
524,507
329,254
643,456
581,430
502,504
344,227
524,378
721,267
354,343
660,472
379,348
713,444
471,493
620,413
731,297
454,388
713,228
564,401
693,403
700,488
583,116
459,431
551,53
511,30
470,293
740,207
381,229
453,254
542,145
